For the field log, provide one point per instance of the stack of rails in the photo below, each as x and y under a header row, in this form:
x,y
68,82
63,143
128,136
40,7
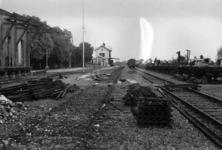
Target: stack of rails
x,y
154,112
147,107
37,89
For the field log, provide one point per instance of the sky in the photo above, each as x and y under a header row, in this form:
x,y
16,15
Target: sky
x,y
138,29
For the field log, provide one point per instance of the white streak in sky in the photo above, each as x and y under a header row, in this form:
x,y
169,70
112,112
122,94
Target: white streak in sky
x,y
214,3
146,39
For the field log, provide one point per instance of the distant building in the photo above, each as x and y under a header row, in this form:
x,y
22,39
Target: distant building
x,y
16,31
102,55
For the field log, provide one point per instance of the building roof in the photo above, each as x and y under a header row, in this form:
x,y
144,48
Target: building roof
x,y
103,46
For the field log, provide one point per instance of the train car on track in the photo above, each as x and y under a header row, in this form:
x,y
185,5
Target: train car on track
x,y
131,63
200,68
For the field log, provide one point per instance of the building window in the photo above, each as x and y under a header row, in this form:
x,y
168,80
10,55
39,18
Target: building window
x,y
102,54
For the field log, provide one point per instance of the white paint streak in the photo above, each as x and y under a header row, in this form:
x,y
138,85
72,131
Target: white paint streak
x,y
213,3
147,36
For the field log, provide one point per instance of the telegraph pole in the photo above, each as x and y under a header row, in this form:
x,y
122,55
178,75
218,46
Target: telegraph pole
x,y
83,46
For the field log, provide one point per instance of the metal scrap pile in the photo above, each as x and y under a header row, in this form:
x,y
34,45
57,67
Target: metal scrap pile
x,y
37,89
148,109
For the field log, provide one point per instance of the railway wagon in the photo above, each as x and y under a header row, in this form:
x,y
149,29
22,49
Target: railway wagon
x,y
131,63
196,71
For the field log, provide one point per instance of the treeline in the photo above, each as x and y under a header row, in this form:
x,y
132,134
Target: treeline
x,y
58,45
124,63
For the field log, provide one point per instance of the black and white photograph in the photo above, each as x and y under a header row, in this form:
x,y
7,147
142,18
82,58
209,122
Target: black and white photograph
x,y
110,74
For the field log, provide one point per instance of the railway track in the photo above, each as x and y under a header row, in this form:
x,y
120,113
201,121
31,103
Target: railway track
x,y
73,123
203,110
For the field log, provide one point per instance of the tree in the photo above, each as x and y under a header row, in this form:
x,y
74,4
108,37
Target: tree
x,y
61,49
41,43
140,62
120,63
88,51
201,57
73,50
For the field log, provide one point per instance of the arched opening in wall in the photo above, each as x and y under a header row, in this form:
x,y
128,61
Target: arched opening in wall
x,y
7,52
20,52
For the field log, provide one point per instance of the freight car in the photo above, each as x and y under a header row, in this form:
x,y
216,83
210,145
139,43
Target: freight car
x,y
198,69
131,63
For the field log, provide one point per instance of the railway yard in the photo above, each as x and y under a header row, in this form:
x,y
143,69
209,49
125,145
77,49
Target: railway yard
x,y
149,79
104,111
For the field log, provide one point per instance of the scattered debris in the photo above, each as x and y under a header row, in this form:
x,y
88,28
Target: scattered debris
x,y
122,80
119,82
95,84
127,81
132,81
61,76
83,77
9,110
94,76
97,125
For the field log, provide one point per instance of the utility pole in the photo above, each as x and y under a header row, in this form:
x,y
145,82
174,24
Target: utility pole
x,y
83,45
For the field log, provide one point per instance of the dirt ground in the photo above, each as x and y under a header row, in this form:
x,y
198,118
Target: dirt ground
x,y
119,133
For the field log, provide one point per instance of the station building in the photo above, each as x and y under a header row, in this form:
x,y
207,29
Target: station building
x,y
17,33
102,55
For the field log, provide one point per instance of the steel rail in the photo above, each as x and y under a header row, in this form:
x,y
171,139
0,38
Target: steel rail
x,y
99,110
195,91
205,130
155,76
207,96
193,107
